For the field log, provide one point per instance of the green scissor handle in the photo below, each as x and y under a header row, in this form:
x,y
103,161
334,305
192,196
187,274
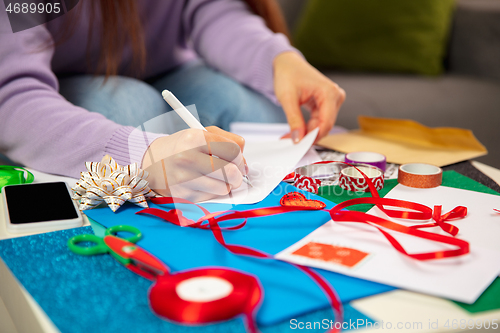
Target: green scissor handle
x,y
137,234
98,248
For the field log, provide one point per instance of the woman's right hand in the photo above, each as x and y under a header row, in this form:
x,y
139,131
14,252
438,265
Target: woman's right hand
x,y
183,165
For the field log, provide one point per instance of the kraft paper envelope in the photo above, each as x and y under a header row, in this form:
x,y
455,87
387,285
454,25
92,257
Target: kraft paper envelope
x,y
407,141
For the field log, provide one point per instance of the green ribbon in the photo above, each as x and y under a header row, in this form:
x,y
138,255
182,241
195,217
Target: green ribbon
x,y
14,175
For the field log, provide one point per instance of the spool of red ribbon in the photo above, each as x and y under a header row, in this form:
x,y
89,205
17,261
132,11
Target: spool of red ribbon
x,y
338,214
206,295
213,220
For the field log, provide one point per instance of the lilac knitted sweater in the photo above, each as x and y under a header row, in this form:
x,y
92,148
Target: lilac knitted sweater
x,y
42,130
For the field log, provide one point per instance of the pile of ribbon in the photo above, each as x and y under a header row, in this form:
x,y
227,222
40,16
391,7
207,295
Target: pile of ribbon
x,y
417,212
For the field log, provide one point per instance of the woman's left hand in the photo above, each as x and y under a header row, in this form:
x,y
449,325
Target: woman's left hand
x,y
298,83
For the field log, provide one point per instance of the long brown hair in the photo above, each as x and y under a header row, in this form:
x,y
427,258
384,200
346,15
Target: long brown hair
x,y
122,27
120,24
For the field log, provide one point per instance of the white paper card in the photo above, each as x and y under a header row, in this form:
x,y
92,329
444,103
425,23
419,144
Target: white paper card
x,y
264,132
480,228
461,278
269,163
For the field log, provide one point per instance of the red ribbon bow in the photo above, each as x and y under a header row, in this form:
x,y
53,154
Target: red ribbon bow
x,y
457,213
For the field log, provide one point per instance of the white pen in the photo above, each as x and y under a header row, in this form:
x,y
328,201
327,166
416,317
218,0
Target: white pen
x,y
188,118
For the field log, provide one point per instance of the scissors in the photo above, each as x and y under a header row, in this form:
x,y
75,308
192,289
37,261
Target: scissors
x,y
124,250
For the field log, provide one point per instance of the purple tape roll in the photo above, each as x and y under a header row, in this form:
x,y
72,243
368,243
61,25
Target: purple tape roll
x,y
367,157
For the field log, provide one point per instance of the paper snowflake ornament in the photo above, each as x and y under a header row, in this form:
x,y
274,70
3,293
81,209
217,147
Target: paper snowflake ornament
x,y
108,182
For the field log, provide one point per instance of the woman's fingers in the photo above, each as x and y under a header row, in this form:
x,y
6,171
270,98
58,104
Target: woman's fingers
x,y
179,191
197,196
195,164
171,181
242,165
203,184
228,135
210,166
291,107
297,83
224,149
331,99
192,167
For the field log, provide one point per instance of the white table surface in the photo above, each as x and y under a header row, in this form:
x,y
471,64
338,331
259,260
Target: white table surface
x,y
19,312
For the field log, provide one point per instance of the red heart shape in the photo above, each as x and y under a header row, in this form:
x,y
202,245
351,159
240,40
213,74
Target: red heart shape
x,y
296,199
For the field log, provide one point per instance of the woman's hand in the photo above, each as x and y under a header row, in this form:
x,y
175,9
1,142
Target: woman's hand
x,y
298,83
181,165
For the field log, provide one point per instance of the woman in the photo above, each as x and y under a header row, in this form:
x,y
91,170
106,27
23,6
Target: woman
x,y
215,54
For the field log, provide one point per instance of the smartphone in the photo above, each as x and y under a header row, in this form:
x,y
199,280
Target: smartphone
x,y
40,207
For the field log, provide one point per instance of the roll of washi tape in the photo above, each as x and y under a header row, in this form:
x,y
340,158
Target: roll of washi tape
x,y
312,176
367,157
351,179
420,175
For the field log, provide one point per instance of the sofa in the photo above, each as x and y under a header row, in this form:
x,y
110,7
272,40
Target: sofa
x,y
467,95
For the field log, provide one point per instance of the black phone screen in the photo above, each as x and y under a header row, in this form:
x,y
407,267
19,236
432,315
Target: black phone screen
x,y
39,202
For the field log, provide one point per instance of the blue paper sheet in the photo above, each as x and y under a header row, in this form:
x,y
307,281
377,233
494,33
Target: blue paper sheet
x,y
287,291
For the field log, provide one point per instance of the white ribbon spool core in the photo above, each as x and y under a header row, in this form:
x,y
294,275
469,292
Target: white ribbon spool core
x,y
370,172
204,289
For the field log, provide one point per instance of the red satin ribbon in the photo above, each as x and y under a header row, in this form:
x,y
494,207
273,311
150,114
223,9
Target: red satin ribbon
x,y
457,213
247,251
423,212
380,224
244,299
419,212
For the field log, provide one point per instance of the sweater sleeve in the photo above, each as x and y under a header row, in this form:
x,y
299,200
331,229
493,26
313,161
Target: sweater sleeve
x,y
230,38
38,127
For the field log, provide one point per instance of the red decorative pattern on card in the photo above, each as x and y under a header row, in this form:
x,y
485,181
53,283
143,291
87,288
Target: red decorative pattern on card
x,y
331,253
